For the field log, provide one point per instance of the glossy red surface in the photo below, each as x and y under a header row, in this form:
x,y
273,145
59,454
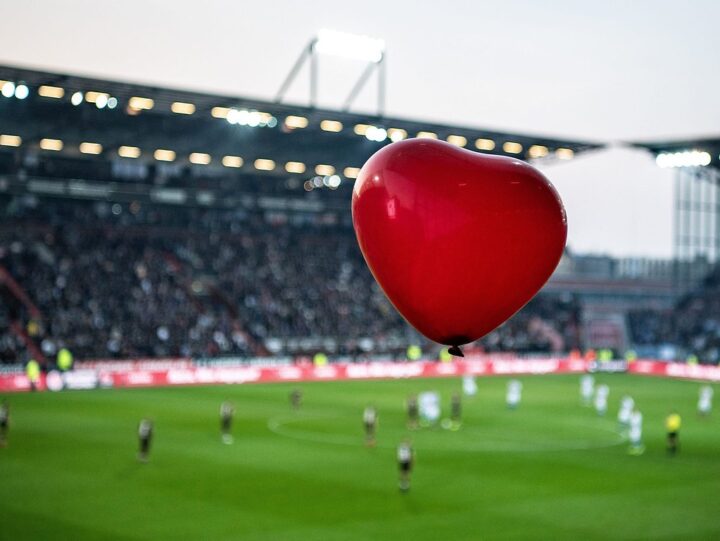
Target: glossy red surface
x,y
458,241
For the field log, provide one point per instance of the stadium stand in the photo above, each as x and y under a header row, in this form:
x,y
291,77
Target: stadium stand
x,y
112,281
694,324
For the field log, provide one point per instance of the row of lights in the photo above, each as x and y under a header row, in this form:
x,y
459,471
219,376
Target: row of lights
x,y
252,118
196,158
9,90
99,99
685,158
328,181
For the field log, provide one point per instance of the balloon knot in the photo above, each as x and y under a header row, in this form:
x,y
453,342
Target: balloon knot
x,y
456,351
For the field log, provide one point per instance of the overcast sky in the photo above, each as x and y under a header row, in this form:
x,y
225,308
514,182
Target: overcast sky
x,y
600,71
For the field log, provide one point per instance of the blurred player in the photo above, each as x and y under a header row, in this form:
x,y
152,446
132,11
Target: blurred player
x,y
627,404
705,400
587,387
514,394
370,420
296,399
4,422
145,433
413,412
405,463
601,399
227,410
469,385
672,426
635,433
455,411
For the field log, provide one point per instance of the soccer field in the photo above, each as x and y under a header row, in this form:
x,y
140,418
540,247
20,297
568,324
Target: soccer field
x,y
551,469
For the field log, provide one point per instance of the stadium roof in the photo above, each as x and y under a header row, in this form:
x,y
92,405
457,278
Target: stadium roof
x,y
52,117
698,152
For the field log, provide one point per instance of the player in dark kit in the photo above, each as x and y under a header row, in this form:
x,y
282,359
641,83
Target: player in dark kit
x,y
4,422
405,463
370,419
296,399
145,433
227,410
455,411
413,412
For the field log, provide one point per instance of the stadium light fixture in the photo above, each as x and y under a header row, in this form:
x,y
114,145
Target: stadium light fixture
x,y
112,102
361,129
373,133
295,167
220,112
54,145
77,98
484,144
266,119
10,140
141,104
200,158
55,92
331,125
685,158
457,140
22,91
294,121
324,169
333,181
182,108
308,185
351,172
243,117
565,153
92,96
426,135
511,147
253,119
341,44
129,152
91,148
397,134
335,43
164,155
232,161
538,151
8,89
264,164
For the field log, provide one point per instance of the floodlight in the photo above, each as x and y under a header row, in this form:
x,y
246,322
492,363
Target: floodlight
x,y
22,92
685,158
332,42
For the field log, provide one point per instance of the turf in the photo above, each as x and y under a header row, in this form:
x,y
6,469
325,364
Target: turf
x,y
550,470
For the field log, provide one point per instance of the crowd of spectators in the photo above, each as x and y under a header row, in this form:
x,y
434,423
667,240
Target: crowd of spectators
x,y
134,281
694,324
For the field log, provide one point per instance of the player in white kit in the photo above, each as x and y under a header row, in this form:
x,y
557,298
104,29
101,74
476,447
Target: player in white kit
x,y
587,387
627,404
514,394
635,433
705,401
370,419
601,399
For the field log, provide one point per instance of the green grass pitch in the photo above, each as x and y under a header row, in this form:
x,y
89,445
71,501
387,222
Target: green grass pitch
x,y
552,469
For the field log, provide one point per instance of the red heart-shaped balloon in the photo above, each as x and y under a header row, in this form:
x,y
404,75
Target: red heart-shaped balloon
x,y
459,241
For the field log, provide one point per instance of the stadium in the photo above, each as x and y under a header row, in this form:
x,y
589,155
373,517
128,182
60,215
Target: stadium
x,y
198,339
